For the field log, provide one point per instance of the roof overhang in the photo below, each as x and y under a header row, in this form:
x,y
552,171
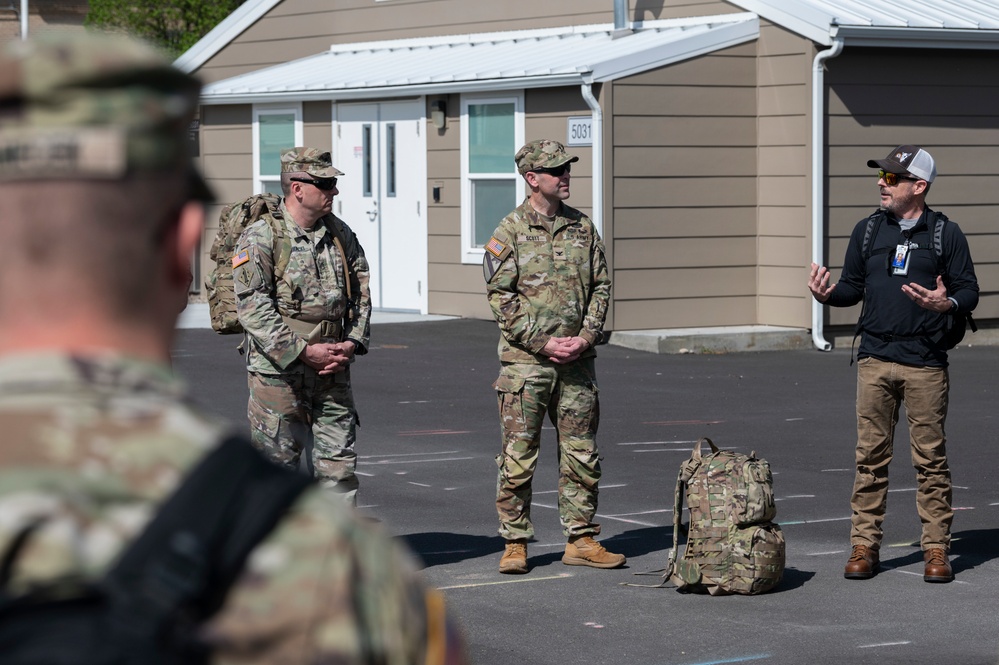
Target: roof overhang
x,y
950,24
484,62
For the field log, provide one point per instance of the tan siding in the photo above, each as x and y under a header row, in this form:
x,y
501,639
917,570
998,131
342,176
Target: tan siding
x,y
783,221
684,193
783,281
690,131
782,311
791,253
684,222
684,252
784,68
685,283
44,17
685,313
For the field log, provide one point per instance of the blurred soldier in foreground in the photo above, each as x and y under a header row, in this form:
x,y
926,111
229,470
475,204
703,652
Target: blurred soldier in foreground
x,y
548,286
102,211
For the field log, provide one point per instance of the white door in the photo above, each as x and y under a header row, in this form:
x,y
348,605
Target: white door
x,y
382,151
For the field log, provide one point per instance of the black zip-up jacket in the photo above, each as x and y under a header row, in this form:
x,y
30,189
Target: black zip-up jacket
x,y
894,328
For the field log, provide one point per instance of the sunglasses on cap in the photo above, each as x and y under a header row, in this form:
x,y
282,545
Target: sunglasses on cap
x,y
326,184
557,171
891,179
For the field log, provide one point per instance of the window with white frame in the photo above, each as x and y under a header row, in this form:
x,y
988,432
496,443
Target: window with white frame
x,y
274,129
492,130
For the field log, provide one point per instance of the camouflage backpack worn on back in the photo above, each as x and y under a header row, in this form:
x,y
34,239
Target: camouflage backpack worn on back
x,y
733,546
234,218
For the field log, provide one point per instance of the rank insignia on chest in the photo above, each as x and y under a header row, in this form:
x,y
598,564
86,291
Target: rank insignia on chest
x,y
559,253
240,259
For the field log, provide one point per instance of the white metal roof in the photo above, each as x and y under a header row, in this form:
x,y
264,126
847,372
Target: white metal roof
x,y
490,61
908,23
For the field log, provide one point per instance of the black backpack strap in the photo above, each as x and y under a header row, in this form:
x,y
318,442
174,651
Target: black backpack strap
x,y
177,573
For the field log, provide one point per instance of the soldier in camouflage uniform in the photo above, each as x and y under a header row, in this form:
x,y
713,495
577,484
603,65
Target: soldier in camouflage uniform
x,y
548,287
94,151
303,330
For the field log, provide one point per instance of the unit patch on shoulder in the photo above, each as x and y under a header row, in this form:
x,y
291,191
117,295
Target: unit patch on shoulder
x,y
240,259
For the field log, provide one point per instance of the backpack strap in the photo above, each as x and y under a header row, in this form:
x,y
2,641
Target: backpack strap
x,y
182,565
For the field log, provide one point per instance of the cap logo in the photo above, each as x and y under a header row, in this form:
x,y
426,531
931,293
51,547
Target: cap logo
x,y
902,156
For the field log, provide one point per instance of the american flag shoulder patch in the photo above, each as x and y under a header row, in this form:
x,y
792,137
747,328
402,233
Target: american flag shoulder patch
x,y
240,259
495,247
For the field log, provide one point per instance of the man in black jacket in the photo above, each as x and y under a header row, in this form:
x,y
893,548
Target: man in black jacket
x,y
910,293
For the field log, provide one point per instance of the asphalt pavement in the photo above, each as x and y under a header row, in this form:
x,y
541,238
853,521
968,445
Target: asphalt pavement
x,y
429,435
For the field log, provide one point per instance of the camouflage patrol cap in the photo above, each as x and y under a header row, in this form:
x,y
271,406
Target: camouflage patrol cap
x,y
313,161
94,107
542,154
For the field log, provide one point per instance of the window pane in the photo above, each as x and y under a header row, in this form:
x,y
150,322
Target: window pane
x,y
366,160
492,200
277,132
390,159
490,138
272,187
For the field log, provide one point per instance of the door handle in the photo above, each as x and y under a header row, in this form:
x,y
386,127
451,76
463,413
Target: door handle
x,y
373,214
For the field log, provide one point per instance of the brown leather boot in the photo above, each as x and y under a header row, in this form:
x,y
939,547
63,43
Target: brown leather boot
x,y
584,551
863,563
514,559
937,566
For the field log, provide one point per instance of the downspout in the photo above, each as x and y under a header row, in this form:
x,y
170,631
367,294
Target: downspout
x,y
819,179
598,155
24,19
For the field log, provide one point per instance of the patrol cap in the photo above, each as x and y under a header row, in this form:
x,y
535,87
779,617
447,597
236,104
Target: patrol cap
x,y
909,159
542,154
93,106
313,161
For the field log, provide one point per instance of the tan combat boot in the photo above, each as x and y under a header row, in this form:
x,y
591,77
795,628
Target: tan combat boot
x,y
584,551
514,559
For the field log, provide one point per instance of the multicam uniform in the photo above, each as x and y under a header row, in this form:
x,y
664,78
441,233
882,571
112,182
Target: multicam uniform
x,y
547,280
93,443
288,399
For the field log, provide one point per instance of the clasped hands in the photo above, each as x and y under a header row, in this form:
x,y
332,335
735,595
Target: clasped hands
x,y
562,350
328,358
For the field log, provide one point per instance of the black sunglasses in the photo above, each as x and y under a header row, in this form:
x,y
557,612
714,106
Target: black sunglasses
x,y
326,184
557,171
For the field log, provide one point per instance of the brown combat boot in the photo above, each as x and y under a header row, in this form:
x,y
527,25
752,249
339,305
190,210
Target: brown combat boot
x,y
584,551
863,563
937,566
514,559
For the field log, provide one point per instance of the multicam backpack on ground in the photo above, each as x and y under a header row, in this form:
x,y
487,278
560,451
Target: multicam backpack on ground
x,y
733,546
234,218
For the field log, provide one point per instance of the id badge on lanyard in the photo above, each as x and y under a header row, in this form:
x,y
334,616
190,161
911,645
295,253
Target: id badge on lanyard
x,y
900,260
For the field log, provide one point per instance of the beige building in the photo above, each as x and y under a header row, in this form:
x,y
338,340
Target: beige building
x,y
42,16
723,144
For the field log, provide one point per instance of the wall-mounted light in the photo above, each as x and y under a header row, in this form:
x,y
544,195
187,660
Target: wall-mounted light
x,y
438,113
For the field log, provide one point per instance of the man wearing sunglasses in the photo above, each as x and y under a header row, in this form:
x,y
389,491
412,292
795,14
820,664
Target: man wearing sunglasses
x,y
305,325
548,287
908,293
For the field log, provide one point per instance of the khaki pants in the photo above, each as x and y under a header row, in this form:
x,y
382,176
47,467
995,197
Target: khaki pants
x,y
882,387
